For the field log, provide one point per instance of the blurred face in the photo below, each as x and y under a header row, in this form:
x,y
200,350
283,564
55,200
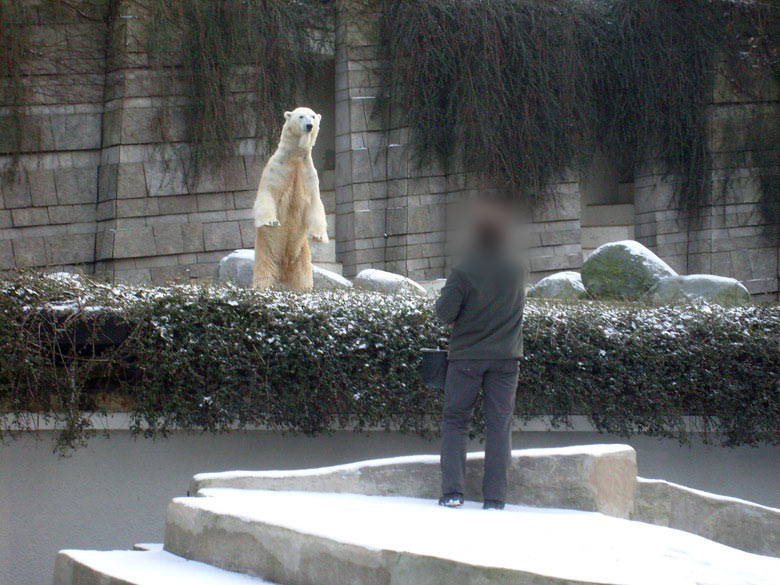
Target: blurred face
x,y
302,121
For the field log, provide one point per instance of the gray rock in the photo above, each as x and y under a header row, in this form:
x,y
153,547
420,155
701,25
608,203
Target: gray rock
x,y
387,282
698,288
623,270
237,268
328,280
561,285
597,478
737,523
433,287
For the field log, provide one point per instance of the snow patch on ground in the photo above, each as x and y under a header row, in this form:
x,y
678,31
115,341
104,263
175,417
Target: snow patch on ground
x,y
157,566
581,546
594,450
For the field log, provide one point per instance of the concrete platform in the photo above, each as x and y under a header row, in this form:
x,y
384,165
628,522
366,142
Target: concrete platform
x,y
154,567
305,538
598,478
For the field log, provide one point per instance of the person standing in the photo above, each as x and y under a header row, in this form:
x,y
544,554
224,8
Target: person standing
x,y
483,300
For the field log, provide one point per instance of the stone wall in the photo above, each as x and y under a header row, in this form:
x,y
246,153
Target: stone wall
x,y
392,214
729,238
105,189
48,214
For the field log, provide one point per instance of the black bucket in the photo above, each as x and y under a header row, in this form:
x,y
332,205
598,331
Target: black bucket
x,y
433,370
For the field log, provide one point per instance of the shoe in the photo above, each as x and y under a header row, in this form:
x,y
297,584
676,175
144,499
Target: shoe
x,y
453,500
493,505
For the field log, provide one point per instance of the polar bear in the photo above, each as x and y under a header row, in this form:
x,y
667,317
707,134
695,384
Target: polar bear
x,y
288,209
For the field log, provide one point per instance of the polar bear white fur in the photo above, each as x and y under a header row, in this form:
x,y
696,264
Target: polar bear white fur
x,y
288,209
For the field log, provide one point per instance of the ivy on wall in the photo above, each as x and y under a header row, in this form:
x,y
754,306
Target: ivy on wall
x,y
521,90
14,47
238,64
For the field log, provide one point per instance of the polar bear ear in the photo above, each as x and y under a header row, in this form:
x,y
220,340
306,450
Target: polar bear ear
x,y
318,117
287,115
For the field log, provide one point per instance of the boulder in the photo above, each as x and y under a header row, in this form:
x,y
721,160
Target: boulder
x,y
328,280
237,268
561,285
730,521
387,282
623,270
433,287
698,288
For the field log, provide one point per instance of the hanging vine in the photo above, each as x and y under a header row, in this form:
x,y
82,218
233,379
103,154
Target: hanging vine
x,y
15,18
521,90
240,64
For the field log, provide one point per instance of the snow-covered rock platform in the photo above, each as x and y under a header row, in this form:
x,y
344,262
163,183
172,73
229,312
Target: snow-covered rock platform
x,y
377,522
308,538
598,478
132,567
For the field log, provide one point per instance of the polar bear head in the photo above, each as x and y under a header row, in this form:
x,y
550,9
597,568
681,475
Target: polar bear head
x,y
303,124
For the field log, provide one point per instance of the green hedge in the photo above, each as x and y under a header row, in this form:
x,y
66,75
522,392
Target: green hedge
x,y
205,358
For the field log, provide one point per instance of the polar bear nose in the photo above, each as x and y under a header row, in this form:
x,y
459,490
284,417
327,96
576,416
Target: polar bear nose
x,y
309,127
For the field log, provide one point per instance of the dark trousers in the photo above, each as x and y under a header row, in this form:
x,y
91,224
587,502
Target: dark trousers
x,y
498,381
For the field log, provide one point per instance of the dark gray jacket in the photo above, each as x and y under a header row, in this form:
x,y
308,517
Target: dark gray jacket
x,y
484,299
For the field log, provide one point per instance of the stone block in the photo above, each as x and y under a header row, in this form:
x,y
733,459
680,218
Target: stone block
x,y
369,224
215,202
176,204
76,185
131,182
360,166
142,207
164,178
70,214
168,238
7,255
223,235
70,249
17,193
76,131
28,251
29,216
141,125
134,242
42,189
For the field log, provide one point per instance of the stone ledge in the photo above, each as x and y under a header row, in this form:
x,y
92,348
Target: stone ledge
x,y
140,567
599,478
738,523
334,539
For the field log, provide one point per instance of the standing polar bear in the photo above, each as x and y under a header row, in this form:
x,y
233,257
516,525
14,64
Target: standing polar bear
x,y
288,209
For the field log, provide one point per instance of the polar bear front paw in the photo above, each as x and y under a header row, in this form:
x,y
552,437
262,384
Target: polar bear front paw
x,y
319,237
267,220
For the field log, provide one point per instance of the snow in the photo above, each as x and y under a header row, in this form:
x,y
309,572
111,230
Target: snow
x,y
242,254
566,276
594,450
157,566
581,546
636,249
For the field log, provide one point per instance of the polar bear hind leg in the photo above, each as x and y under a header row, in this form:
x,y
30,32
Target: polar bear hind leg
x,y
297,273
267,271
